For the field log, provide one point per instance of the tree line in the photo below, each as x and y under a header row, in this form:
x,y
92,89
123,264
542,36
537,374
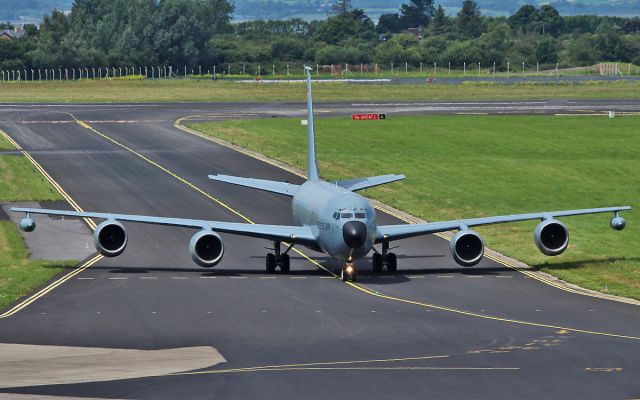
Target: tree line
x,y
110,33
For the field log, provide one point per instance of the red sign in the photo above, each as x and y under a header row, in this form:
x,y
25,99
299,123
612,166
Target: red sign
x,y
367,117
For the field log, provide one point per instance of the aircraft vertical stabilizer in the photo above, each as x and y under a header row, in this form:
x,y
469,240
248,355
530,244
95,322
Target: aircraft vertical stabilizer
x,y
312,164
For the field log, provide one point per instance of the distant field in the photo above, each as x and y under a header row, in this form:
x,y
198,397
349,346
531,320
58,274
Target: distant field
x,y
472,166
223,91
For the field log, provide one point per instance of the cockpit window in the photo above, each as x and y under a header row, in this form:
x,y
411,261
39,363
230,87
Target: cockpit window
x,y
346,215
361,215
336,216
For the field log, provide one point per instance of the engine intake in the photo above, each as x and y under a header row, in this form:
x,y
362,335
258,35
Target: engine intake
x,y
467,248
551,237
110,238
206,249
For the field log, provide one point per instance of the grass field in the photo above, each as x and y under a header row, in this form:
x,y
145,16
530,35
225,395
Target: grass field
x,y
472,166
19,275
205,90
21,182
4,144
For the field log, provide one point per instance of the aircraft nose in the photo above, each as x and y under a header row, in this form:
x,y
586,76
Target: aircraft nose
x,y
354,233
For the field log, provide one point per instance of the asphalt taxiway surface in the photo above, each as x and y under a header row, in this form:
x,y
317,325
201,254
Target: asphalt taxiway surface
x,y
433,330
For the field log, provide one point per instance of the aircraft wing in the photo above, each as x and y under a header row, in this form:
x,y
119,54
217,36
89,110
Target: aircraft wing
x,y
395,232
364,183
285,188
295,234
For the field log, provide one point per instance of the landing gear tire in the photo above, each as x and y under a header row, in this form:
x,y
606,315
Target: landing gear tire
x,y
285,264
376,260
271,263
349,273
392,262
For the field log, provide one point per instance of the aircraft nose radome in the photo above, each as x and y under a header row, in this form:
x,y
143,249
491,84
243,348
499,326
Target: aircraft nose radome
x,y
354,233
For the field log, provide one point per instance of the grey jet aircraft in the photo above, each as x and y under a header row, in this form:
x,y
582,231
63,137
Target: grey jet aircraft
x,y
330,217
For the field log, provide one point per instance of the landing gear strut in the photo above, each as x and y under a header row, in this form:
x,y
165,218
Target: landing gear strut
x,y
278,259
380,260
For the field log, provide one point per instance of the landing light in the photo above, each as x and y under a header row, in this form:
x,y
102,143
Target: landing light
x,y
349,269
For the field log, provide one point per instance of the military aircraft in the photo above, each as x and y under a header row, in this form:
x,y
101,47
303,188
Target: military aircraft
x,y
330,217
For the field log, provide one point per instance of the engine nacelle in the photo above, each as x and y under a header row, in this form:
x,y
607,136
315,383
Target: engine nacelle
x,y
467,248
206,248
551,237
27,224
618,223
110,238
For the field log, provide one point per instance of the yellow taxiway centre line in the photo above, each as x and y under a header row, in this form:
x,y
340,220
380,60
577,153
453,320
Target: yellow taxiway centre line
x,y
356,286
489,317
285,167
181,179
20,306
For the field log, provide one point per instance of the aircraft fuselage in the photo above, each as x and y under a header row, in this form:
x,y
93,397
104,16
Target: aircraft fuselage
x,y
343,222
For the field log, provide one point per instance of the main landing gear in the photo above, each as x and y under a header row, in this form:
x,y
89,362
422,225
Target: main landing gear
x,y
278,259
380,260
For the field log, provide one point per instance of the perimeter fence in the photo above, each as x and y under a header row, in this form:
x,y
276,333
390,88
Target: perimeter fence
x,y
336,71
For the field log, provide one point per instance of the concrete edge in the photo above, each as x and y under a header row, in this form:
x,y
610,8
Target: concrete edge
x,y
512,263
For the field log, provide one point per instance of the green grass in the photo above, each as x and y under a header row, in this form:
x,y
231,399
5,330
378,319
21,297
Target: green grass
x,y
20,181
5,145
473,166
18,275
191,90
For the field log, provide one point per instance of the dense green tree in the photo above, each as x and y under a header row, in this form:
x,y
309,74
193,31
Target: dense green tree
x,y
549,20
546,50
416,13
469,19
356,24
389,23
440,23
525,19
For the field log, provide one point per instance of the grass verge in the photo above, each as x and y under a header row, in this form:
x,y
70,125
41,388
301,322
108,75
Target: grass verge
x,y
473,166
20,181
19,275
109,91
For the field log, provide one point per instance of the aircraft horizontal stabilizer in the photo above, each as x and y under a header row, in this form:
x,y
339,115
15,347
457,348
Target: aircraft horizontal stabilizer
x,y
363,183
285,188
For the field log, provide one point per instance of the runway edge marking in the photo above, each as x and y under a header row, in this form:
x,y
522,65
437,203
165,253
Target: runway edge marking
x,y
361,288
92,225
493,255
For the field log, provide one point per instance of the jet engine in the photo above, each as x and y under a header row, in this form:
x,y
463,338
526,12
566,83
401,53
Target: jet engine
x,y
27,224
551,237
467,248
618,223
206,248
110,238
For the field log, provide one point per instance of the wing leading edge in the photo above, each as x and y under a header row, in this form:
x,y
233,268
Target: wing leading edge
x,y
396,232
294,234
364,183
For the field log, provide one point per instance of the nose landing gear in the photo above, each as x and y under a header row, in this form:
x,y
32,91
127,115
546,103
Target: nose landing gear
x,y
349,273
